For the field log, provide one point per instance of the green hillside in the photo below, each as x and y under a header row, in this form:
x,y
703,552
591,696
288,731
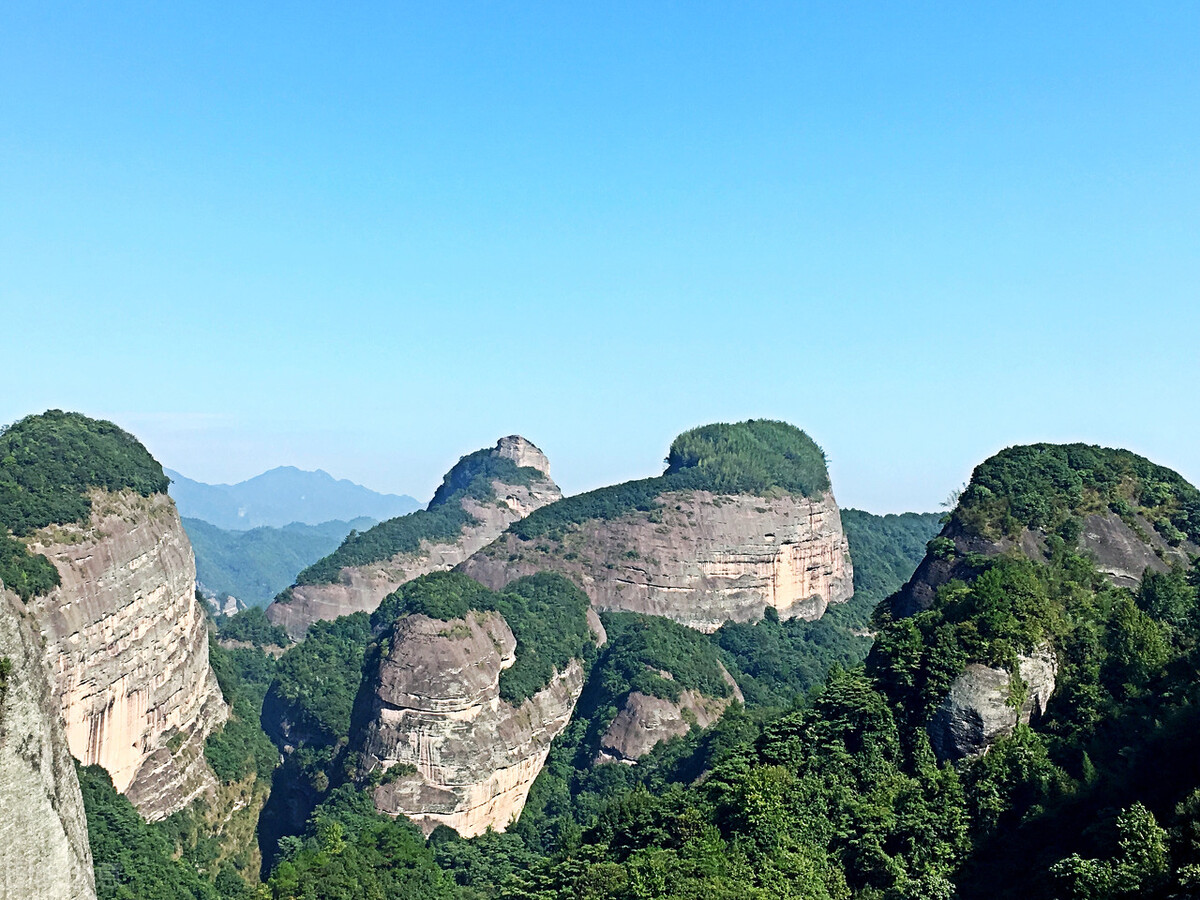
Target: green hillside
x,y
471,477
256,565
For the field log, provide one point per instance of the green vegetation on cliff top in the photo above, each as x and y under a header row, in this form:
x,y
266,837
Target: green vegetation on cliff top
x,y
758,456
1046,486
442,521
48,463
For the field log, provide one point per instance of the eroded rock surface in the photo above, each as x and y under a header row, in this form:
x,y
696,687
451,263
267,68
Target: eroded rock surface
x,y
437,709
978,711
1121,554
362,588
44,850
700,558
127,649
644,720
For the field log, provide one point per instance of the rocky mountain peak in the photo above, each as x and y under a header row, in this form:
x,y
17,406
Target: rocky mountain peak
x,y
522,452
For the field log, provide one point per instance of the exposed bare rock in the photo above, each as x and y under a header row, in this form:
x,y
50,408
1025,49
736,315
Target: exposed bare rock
x,y
362,588
979,709
645,720
523,453
127,647
437,709
44,850
1123,555
699,558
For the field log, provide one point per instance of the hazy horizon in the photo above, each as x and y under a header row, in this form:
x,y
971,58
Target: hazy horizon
x,y
370,240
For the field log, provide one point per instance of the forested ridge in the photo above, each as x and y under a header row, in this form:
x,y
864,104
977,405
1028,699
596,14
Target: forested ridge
x,y
472,477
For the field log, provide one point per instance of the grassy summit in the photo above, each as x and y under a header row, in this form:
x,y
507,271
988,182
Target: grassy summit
x,y
758,456
48,463
443,520
1048,486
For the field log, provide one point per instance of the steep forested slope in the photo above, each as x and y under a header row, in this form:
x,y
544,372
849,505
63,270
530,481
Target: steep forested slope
x,y
256,565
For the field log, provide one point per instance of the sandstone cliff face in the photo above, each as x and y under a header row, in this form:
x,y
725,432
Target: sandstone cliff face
x,y
700,558
436,708
978,710
44,850
362,588
645,720
127,648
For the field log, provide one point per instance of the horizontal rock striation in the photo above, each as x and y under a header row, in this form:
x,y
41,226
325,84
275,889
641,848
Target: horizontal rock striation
x,y
451,751
127,648
699,558
44,851
362,588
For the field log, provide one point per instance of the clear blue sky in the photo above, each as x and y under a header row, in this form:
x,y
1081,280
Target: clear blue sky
x,y
373,237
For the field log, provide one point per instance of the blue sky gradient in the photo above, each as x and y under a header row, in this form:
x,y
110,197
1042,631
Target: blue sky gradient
x,y
372,239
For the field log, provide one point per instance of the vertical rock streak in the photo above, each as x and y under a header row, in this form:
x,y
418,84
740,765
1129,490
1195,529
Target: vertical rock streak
x,y
127,645
44,850
702,559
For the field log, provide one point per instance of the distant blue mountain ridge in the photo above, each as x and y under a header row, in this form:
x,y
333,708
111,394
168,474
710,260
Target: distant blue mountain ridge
x,y
282,496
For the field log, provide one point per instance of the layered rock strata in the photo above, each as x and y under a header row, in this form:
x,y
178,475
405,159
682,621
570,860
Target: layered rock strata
x,y
981,706
127,647
699,558
44,850
644,720
451,752
362,588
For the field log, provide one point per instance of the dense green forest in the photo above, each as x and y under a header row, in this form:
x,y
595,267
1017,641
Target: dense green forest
x,y
471,478
826,783
753,457
256,565
48,462
319,833
1048,486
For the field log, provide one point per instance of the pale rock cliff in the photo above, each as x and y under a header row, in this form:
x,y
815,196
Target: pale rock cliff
x,y
127,647
44,850
470,757
699,558
362,588
644,720
979,709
